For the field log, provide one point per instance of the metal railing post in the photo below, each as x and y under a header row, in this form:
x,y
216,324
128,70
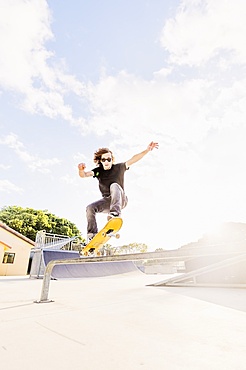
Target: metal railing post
x,y
46,284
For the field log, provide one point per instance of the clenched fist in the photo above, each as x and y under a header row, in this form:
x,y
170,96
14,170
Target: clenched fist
x,y
81,166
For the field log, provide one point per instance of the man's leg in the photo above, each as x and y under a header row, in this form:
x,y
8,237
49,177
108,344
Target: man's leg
x,y
92,209
118,199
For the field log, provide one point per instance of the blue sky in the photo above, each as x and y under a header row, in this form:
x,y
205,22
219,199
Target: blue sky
x,y
79,75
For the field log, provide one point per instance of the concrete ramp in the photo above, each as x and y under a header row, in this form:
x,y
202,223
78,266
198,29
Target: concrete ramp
x,y
230,272
87,269
52,254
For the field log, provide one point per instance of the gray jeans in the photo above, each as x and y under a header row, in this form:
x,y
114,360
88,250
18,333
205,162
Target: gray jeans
x,y
113,203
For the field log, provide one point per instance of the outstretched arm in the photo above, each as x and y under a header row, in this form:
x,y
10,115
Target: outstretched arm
x,y
82,172
139,156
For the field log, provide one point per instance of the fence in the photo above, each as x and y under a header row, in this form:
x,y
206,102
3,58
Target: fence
x,y
47,241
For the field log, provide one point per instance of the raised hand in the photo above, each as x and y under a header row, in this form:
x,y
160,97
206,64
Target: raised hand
x,y
152,145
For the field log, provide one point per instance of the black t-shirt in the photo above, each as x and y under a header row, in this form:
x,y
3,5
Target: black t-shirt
x,y
108,177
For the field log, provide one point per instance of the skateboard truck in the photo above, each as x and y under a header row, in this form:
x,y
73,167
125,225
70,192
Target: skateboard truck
x,y
110,233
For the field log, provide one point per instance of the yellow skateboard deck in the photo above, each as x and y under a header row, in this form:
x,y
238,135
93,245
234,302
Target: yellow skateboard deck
x,y
110,229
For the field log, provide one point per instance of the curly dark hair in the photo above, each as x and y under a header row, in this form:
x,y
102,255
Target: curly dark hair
x,y
98,155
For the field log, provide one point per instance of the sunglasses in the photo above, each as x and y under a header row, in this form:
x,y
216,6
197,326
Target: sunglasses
x,y
106,159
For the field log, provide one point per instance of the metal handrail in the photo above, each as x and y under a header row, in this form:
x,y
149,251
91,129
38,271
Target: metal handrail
x,y
171,254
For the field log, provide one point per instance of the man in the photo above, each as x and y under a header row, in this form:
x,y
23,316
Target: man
x,y
111,185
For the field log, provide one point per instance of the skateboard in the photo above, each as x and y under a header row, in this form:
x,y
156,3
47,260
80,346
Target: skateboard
x,y
110,229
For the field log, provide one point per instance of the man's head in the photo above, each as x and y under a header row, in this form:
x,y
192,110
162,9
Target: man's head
x,y
104,157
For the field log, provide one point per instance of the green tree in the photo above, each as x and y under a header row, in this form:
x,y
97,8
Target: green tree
x,y
28,221
133,248
159,250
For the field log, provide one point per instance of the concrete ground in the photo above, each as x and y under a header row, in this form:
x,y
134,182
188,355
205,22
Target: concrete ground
x,y
120,323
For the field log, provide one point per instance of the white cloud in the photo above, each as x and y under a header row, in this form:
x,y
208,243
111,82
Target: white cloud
x,y
204,29
8,187
69,180
179,109
142,110
4,166
33,162
199,31
27,67
25,26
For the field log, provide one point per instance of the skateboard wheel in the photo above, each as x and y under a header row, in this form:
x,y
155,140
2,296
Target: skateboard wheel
x,y
117,236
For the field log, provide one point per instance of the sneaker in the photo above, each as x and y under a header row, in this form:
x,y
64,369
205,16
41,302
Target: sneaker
x,y
90,237
112,215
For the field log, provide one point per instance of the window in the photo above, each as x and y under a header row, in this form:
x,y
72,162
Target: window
x,y
8,257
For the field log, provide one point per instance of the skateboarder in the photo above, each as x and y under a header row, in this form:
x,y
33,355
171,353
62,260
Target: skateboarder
x,y
111,185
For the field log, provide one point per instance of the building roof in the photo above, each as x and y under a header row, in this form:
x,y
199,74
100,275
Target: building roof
x,y
16,233
6,246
